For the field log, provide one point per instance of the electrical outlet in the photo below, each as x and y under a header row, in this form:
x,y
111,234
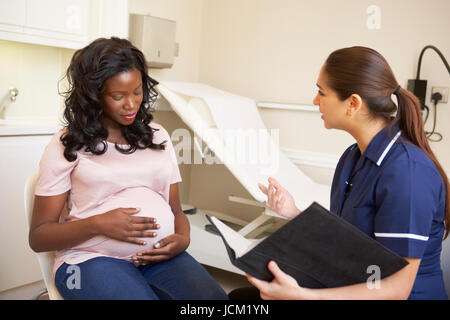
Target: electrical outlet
x,y
443,91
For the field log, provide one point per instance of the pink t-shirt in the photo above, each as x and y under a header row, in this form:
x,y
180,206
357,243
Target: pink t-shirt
x,y
100,183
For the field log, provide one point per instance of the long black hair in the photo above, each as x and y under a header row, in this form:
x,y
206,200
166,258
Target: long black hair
x,y
88,71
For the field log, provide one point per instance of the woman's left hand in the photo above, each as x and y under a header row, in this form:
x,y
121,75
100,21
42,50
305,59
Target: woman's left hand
x,y
282,287
164,249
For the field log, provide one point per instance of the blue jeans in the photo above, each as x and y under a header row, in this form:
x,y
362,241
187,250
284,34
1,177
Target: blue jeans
x,y
180,278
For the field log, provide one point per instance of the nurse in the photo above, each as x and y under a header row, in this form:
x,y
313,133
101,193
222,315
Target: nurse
x,y
389,183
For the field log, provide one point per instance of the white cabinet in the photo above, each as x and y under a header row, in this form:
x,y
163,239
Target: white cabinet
x,y
155,37
58,19
62,23
12,15
71,18
19,158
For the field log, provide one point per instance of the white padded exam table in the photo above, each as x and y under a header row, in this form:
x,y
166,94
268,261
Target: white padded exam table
x,y
213,114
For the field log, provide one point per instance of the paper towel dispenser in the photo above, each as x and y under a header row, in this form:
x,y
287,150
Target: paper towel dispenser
x,y
155,37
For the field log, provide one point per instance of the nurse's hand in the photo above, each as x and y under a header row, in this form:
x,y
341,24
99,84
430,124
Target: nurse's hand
x,y
282,287
279,199
164,249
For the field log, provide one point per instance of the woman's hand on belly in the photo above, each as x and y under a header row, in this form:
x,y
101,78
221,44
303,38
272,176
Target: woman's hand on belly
x,y
165,249
120,224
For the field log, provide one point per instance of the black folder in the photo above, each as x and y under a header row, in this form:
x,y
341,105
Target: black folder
x,y
317,248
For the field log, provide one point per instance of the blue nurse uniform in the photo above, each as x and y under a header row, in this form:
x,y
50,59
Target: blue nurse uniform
x,y
395,194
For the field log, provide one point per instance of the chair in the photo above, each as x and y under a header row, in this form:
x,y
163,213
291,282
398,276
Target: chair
x,y
46,259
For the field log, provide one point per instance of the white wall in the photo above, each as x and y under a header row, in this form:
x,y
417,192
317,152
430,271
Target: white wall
x,y
269,50
272,50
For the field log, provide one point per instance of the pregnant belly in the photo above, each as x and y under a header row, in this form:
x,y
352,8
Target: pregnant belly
x,y
151,205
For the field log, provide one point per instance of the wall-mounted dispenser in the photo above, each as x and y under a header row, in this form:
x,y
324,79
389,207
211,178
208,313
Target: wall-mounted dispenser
x,y
155,37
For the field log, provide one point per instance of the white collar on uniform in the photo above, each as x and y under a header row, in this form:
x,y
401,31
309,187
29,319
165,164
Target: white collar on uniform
x,y
385,152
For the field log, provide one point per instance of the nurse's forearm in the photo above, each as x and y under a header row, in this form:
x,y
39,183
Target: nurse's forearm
x,y
359,291
397,286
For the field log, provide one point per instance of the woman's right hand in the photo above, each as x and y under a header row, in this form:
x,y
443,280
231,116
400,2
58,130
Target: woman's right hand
x,y
120,224
279,199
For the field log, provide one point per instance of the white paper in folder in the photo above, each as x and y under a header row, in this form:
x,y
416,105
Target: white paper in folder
x,y
244,134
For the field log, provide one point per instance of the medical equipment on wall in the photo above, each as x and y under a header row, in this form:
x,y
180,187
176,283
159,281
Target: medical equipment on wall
x,y
155,37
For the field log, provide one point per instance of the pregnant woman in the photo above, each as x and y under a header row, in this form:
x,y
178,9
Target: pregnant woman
x,y
117,172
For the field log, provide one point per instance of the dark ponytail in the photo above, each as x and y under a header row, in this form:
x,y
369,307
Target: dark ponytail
x,y
365,72
409,118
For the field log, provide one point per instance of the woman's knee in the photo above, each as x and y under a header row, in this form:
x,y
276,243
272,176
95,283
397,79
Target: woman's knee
x,y
190,280
202,285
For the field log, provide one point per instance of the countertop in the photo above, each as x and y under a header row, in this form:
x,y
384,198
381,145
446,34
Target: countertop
x,y
26,128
